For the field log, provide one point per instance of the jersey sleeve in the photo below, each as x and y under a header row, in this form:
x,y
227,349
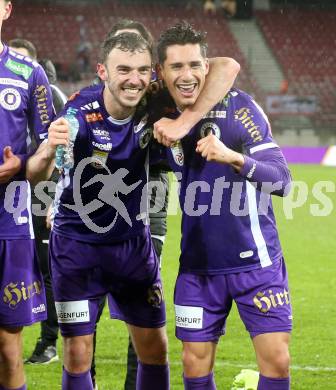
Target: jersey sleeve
x,y
41,110
264,163
253,126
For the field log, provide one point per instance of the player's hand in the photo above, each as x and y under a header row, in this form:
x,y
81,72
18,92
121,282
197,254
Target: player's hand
x,y
58,134
213,149
11,165
167,131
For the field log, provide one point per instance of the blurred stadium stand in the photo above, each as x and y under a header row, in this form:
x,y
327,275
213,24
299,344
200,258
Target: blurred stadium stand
x,y
54,29
302,41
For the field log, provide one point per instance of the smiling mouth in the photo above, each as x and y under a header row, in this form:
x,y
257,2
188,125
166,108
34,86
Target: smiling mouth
x,y
187,89
132,91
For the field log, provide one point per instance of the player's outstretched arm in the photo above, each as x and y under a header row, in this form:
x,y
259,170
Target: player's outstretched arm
x,y
41,164
222,74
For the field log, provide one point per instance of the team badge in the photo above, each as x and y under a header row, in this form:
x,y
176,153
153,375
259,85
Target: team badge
x,y
10,99
155,295
210,127
177,152
141,124
145,137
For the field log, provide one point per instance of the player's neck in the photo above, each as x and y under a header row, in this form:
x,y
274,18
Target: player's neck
x,y
120,114
114,109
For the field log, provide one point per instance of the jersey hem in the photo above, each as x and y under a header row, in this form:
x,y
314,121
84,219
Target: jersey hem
x,y
9,238
82,238
224,271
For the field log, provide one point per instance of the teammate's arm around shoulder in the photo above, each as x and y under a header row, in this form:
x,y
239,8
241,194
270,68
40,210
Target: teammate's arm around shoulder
x,y
41,164
222,74
220,79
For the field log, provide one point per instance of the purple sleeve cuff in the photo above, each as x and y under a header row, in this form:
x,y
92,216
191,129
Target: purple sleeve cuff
x,y
270,172
249,167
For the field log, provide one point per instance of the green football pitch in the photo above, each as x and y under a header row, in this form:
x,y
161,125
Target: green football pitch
x,y
309,245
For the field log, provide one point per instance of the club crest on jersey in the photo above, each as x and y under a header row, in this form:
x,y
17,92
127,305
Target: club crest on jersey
x,y
99,159
10,99
210,127
145,137
141,124
177,152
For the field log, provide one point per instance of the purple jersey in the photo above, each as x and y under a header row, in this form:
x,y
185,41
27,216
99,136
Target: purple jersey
x,y
104,197
228,223
25,102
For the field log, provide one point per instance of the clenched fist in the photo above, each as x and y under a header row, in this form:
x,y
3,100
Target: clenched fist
x,y
213,149
167,131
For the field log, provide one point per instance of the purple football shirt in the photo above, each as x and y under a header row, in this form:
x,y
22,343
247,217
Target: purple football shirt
x,y
228,223
104,197
25,103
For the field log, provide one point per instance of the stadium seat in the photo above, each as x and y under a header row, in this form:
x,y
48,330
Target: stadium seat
x,y
304,43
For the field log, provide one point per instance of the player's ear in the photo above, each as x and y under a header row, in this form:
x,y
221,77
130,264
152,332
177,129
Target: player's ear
x,y
102,72
8,10
207,66
159,71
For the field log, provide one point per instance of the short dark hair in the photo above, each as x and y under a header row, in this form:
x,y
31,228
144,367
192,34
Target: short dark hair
x,y
129,24
49,69
24,43
181,33
127,41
